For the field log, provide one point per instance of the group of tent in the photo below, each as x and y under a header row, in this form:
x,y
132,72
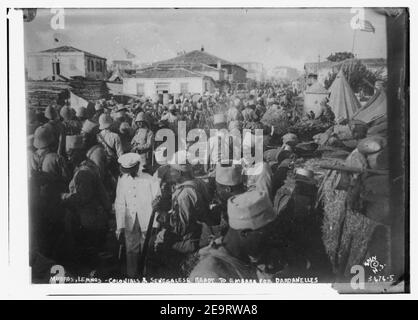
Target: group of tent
x,y
345,104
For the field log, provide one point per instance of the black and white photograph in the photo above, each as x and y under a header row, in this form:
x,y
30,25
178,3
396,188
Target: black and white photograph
x,y
213,145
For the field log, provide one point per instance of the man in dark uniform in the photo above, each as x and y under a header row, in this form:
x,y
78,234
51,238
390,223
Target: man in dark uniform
x,y
190,203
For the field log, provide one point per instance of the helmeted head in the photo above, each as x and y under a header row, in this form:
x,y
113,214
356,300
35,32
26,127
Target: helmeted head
x,y
67,113
105,121
181,168
172,108
50,113
43,137
98,106
74,149
88,132
141,120
81,113
290,139
125,128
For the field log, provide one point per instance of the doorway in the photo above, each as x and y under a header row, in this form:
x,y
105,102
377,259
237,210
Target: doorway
x,y
56,68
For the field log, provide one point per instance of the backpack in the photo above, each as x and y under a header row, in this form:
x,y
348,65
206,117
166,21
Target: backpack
x,y
40,180
202,210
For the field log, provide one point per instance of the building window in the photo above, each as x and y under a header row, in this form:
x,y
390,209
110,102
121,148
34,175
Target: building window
x,y
39,64
73,64
92,65
98,66
140,89
206,86
88,65
184,87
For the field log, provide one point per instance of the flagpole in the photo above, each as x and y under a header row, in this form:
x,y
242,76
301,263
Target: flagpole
x,y
354,38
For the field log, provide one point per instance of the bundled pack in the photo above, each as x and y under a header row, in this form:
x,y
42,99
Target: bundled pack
x,y
276,118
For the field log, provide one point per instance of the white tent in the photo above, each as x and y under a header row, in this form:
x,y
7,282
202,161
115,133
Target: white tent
x,y
342,100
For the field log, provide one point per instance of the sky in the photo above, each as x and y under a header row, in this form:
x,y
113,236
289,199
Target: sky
x,y
272,36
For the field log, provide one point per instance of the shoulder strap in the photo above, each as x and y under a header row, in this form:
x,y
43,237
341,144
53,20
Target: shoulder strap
x,y
91,150
40,161
102,140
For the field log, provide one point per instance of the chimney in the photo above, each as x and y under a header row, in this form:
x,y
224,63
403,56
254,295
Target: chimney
x,y
202,48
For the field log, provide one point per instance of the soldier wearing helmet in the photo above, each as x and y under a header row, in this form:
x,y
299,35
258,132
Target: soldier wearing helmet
x,y
143,140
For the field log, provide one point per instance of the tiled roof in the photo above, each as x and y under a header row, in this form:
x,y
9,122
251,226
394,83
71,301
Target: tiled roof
x,y
167,73
70,49
196,56
195,67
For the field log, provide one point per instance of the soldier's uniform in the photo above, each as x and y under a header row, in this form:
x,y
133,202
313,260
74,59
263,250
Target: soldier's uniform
x,y
110,140
57,127
247,211
234,114
170,119
48,177
112,145
143,140
190,205
260,179
217,264
89,207
249,115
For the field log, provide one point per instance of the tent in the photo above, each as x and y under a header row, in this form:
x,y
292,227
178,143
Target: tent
x,y
342,100
374,109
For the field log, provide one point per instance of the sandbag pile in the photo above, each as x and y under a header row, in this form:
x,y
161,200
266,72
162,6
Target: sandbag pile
x,y
356,208
278,119
41,94
90,90
307,129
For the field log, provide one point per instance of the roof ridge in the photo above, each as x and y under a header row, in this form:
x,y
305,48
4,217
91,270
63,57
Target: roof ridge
x,y
57,49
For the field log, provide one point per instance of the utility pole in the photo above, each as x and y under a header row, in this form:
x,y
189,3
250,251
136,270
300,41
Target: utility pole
x,y
319,61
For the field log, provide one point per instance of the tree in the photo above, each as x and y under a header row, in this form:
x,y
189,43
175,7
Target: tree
x,y
357,75
340,56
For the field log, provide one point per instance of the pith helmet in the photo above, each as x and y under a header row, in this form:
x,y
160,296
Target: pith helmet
x,y
140,117
50,113
89,126
290,138
105,121
43,137
66,113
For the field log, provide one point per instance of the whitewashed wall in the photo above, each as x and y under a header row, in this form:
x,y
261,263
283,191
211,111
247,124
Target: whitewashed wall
x,y
195,85
46,59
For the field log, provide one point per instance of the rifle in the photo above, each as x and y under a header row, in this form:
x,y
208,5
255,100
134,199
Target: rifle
x,y
143,256
353,169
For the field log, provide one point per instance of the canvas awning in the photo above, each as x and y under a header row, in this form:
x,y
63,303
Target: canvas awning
x,y
375,108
